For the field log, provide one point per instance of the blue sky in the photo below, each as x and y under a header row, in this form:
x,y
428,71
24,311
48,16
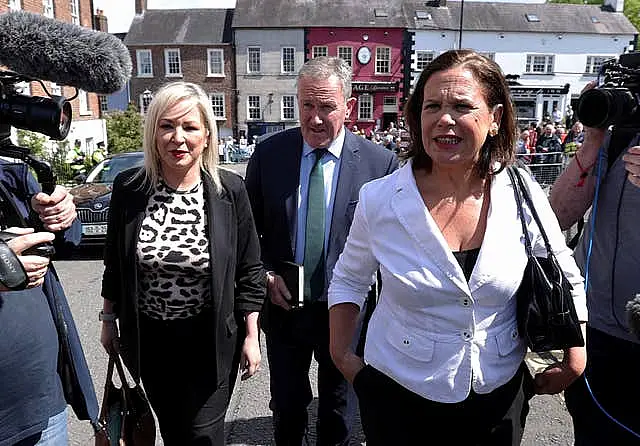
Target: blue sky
x,y
120,12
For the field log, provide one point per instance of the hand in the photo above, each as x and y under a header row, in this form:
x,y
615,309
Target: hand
x,y
251,357
632,165
278,291
350,365
557,377
35,266
57,211
110,337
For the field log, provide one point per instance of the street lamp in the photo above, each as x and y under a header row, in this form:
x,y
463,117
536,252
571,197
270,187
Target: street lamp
x,y
146,100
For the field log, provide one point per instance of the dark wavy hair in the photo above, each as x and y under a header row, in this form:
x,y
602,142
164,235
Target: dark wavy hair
x,y
488,74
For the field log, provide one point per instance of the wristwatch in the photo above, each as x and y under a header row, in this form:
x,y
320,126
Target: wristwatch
x,y
107,317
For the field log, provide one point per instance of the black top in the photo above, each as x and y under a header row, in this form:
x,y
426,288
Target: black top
x,y
467,260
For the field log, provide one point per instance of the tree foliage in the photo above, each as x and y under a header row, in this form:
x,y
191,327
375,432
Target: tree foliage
x,y
124,130
631,8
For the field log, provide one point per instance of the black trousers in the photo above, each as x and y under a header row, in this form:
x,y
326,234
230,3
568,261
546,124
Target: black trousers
x,y
292,339
613,372
393,415
178,370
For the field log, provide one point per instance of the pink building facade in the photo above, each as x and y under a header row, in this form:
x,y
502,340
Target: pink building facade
x,y
376,56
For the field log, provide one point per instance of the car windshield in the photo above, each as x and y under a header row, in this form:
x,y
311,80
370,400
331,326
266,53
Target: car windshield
x,y
108,170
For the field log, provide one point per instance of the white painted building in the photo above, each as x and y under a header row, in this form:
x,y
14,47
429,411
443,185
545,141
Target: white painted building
x,y
548,51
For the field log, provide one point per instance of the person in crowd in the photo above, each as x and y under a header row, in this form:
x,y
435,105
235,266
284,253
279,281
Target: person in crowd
x,y
556,116
569,117
42,365
574,139
613,352
442,344
182,271
389,143
533,136
522,145
303,185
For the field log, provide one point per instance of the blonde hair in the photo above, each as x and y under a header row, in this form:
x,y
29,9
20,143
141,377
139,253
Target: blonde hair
x,y
166,97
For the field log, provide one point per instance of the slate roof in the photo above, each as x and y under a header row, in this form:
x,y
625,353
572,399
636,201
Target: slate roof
x,y
511,17
181,27
478,16
319,13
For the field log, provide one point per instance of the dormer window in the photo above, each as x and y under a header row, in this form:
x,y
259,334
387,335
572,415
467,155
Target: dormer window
x,y
423,15
532,18
380,13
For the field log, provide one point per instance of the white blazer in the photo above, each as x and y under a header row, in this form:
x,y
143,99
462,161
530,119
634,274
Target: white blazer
x,y
432,331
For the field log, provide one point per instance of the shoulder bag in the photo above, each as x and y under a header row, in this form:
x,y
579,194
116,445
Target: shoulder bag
x,y
125,418
546,314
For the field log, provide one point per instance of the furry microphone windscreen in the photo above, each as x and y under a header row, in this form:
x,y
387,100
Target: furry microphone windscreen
x,y
67,54
633,315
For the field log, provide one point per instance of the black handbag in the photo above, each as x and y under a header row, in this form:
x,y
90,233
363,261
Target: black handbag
x,y
125,418
546,314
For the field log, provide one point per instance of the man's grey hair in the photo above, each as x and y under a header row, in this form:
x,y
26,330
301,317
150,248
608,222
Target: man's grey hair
x,y
324,67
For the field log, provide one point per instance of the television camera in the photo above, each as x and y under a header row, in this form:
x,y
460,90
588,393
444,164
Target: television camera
x,y
50,116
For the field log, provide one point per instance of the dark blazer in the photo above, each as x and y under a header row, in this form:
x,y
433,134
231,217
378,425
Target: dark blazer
x,y
237,276
273,178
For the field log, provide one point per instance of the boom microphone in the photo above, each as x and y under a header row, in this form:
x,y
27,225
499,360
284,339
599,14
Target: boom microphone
x,y
67,54
633,315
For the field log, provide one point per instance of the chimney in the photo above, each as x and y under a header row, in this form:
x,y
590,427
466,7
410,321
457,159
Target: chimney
x,y
614,5
141,6
101,21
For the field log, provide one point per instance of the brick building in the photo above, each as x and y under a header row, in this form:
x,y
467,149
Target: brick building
x,y
193,45
86,127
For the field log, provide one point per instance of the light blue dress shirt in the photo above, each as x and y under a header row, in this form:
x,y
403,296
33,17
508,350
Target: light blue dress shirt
x,y
330,169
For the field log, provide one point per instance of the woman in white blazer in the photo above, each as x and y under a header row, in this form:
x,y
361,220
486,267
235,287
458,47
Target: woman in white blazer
x,y
443,357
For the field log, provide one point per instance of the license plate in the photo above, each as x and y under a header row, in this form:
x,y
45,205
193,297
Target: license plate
x,y
94,229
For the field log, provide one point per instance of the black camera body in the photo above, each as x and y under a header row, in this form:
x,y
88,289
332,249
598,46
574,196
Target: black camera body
x,y
42,250
617,101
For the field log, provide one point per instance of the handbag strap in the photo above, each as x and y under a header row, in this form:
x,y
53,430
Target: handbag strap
x,y
526,193
518,197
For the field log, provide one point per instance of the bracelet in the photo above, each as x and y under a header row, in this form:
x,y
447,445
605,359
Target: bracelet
x,y
107,317
584,173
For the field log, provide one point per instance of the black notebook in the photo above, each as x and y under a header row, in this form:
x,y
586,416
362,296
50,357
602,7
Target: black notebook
x,y
293,276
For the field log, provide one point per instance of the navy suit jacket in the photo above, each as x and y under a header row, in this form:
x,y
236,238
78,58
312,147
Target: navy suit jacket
x,y
273,178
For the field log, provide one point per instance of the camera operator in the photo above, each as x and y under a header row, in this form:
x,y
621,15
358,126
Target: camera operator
x,y
40,365
613,353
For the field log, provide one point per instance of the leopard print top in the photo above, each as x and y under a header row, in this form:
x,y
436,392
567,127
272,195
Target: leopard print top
x,y
173,255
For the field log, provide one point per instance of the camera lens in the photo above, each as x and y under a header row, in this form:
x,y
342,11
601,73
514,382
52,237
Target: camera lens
x,y
602,107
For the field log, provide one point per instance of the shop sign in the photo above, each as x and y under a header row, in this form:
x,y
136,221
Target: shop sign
x,y
374,87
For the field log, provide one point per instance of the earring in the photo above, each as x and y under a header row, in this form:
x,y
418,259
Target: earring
x,y
493,129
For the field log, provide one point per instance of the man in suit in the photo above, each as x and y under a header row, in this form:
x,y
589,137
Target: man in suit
x,y
303,184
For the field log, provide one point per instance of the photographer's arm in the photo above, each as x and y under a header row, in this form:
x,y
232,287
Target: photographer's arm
x,y
34,266
572,193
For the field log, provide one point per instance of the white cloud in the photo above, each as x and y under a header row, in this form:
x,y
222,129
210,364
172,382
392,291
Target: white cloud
x,y
120,12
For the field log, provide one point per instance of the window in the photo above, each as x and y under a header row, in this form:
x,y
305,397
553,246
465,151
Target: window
x,y
288,108
55,89
594,63
145,100
532,18
15,5
215,59
423,58
172,66
217,103
423,15
103,102
380,12
253,59
253,103
539,64
145,66
83,102
320,51
365,107
383,60
288,65
75,12
47,8
346,53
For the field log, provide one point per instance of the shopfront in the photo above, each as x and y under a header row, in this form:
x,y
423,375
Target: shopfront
x,y
378,105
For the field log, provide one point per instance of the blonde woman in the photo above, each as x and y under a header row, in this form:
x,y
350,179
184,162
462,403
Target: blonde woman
x,y
183,277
